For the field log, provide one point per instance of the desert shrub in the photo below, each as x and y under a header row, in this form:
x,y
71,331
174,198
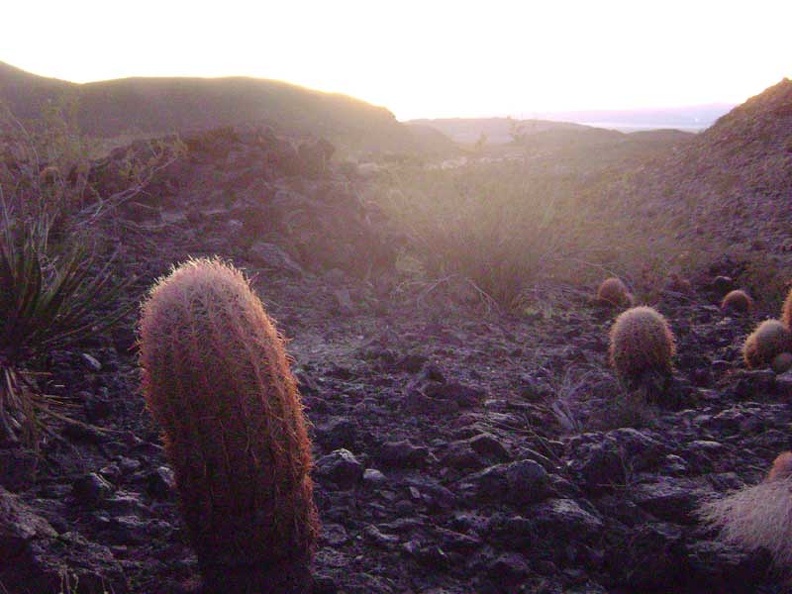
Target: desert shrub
x,y
768,340
757,517
47,301
641,342
216,378
509,222
485,223
612,291
737,300
56,177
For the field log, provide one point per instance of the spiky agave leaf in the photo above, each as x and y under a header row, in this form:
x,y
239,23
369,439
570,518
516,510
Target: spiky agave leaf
x,y
44,304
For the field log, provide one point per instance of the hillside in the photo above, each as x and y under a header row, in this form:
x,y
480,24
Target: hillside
x,y
158,106
729,186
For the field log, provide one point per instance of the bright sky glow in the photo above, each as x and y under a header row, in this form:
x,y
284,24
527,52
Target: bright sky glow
x,y
424,58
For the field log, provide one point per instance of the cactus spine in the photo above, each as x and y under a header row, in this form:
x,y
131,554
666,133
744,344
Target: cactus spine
x,y
216,378
641,341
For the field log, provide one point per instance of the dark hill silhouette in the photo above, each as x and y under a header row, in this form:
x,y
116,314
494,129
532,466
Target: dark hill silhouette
x,y
158,106
27,94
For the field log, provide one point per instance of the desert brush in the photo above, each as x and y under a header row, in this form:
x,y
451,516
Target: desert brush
x,y
759,516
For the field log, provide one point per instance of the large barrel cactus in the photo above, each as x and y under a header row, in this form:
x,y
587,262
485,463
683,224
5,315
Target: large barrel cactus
x,y
217,379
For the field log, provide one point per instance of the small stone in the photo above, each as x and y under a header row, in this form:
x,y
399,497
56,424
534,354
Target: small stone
x,y
374,535
489,447
91,362
334,534
341,468
403,454
161,483
91,490
372,476
520,483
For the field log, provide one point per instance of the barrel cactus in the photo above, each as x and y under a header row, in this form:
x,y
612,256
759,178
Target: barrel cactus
x,y
737,301
217,379
641,341
765,343
614,292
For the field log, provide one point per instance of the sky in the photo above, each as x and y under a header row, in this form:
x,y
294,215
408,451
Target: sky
x,y
424,58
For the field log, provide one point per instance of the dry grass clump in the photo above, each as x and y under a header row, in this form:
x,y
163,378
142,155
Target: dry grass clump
x,y
216,377
737,300
758,517
612,291
641,341
767,341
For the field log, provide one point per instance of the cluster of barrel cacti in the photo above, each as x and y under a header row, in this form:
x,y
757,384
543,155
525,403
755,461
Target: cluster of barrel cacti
x,y
216,378
770,344
641,340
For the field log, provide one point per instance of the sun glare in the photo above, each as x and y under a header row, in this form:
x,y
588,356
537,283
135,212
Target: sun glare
x,y
425,59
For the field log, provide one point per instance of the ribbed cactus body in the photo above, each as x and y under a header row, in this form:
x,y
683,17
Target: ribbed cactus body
x,y
763,345
217,379
641,341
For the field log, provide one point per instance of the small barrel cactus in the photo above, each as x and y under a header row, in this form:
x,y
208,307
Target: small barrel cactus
x,y
738,301
640,342
614,292
765,343
216,378
782,467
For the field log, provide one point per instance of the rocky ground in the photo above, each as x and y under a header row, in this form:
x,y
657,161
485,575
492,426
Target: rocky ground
x,y
458,448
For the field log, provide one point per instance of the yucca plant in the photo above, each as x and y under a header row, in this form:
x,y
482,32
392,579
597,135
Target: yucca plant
x,y
46,303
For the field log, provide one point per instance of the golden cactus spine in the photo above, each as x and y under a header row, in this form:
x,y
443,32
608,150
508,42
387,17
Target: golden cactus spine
x,y
216,378
765,343
641,341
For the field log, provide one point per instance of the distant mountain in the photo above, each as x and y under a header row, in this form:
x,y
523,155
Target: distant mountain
x,y
692,118
156,106
495,130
